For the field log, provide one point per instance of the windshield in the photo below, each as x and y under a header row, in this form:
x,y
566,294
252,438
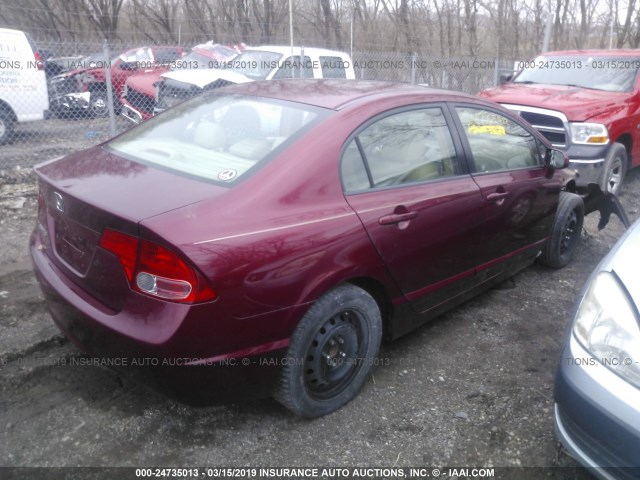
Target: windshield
x,y
216,137
193,60
138,55
611,74
255,64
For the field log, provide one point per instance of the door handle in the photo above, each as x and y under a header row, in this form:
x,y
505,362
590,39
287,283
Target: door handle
x,y
496,196
397,218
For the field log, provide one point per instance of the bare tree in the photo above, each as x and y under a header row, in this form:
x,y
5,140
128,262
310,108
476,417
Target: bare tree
x,y
103,14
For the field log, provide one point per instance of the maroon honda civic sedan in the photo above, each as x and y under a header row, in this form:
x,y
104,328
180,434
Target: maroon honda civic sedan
x,y
270,235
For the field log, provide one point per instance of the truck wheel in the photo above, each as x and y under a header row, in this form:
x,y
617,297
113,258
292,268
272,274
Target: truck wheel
x,y
6,126
615,167
331,353
565,235
98,103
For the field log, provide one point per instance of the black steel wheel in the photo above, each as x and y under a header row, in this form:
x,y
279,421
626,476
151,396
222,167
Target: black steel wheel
x,y
332,352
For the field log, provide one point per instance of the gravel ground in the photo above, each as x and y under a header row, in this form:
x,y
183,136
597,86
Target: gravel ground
x,y
473,388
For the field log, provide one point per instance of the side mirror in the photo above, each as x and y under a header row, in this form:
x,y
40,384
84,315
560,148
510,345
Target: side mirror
x,y
556,159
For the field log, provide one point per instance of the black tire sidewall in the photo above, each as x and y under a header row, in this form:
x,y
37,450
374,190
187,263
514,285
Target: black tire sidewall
x,y
292,392
552,255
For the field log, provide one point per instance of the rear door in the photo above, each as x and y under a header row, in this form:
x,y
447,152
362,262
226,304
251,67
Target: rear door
x,y
520,195
403,177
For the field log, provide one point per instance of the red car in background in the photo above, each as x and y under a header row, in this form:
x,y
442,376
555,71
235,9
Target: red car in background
x,y
266,236
139,94
83,90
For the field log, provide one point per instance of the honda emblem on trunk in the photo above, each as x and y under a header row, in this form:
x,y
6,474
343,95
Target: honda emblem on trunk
x,y
59,202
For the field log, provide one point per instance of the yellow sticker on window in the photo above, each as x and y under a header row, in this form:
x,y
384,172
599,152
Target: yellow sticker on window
x,y
490,129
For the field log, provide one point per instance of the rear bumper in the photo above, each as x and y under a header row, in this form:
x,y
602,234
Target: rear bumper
x,y
175,358
597,417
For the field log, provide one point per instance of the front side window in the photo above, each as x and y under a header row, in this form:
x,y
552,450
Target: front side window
x,y
216,137
497,142
407,147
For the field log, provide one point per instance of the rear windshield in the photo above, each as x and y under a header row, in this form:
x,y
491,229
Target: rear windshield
x,y
217,137
611,74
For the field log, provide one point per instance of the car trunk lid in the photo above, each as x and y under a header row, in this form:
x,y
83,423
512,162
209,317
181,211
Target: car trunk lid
x,y
85,193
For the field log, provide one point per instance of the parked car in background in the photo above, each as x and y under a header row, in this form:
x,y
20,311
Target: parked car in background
x,y
266,236
597,391
139,93
56,65
587,103
23,85
84,90
255,63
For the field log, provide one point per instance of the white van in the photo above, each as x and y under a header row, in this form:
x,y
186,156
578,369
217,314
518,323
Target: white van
x,y
23,84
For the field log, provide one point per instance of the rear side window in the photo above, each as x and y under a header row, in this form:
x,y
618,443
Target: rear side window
x,y
216,137
407,147
333,67
497,142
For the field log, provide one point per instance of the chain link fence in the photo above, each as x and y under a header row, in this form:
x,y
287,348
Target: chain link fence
x,y
96,90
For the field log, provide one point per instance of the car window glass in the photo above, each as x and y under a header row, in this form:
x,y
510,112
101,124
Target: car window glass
x,y
543,151
291,68
407,147
218,137
497,142
353,171
333,67
139,55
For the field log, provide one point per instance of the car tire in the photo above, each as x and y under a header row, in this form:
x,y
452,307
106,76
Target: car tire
x,y
332,352
566,232
614,169
7,124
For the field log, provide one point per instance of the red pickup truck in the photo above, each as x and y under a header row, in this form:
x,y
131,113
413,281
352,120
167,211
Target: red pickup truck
x,y
83,89
587,103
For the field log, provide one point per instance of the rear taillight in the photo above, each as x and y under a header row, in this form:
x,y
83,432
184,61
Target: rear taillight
x,y
155,270
39,62
124,246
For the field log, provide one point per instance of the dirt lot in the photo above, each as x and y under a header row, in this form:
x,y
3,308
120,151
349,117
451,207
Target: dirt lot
x,y
474,388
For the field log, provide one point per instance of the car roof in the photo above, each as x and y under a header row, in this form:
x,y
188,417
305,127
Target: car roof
x,y
620,52
336,94
10,30
286,50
